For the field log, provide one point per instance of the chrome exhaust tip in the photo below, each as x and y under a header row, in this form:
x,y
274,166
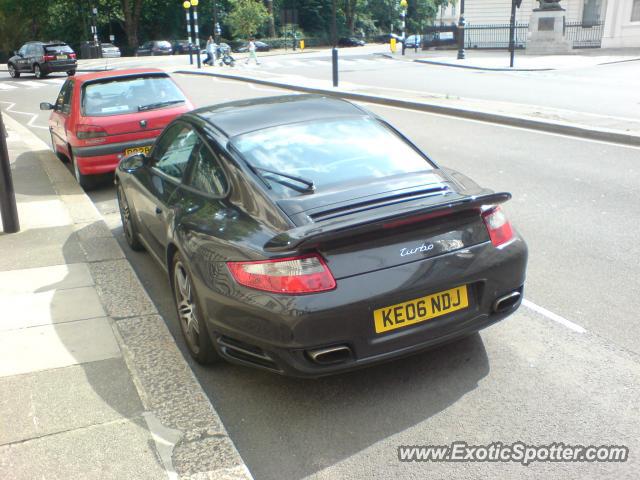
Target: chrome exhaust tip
x,y
507,302
330,355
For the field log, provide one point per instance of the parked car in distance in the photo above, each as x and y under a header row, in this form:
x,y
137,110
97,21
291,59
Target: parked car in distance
x,y
351,42
181,47
260,47
386,38
154,47
42,58
413,41
109,50
98,118
306,236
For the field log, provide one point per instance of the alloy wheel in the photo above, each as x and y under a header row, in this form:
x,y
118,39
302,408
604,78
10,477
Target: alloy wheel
x,y
187,309
12,71
125,214
37,71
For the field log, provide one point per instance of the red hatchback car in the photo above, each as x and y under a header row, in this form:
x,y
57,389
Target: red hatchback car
x,y
99,118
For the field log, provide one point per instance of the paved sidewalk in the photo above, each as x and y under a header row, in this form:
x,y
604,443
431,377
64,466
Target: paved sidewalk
x,y
92,385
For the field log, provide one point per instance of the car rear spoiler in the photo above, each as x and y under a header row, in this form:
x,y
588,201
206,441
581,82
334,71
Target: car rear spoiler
x,y
309,236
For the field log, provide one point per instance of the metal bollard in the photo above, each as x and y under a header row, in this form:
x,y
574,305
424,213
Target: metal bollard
x,y
190,54
8,209
334,62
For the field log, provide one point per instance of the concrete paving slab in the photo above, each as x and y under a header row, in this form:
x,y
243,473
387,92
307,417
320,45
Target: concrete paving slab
x,y
23,310
100,249
54,346
41,246
53,401
42,279
114,451
120,290
90,230
43,213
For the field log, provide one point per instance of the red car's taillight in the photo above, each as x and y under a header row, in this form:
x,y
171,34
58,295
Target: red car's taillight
x,y
90,131
292,275
498,225
49,58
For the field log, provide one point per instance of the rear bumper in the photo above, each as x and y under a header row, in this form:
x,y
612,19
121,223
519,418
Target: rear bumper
x,y
98,159
278,332
59,67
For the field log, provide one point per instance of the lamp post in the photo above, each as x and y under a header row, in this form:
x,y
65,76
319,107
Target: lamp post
x,y
196,41
187,6
403,14
461,32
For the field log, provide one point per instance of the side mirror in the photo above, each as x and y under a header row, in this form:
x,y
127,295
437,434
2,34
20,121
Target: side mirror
x,y
133,162
47,106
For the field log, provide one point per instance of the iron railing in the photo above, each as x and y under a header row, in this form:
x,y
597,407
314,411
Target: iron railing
x,y
494,35
584,35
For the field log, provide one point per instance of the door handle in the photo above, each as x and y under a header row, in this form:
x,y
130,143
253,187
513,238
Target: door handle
x,y
158,210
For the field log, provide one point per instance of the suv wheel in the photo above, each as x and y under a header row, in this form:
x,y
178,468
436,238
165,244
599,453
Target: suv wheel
x,y
12,71
38,71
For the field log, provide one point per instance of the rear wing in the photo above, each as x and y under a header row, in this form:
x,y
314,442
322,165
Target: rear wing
x,y
309,236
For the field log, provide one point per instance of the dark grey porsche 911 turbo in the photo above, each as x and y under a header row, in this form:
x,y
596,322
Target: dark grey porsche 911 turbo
x,y
306,236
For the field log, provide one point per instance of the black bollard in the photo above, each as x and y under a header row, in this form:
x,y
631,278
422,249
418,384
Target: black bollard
x,y
8,209
334,62
190,54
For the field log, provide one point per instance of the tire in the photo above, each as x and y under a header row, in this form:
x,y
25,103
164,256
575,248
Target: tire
x,y
71,73
128,221
87,182
193,328
37,71
13,73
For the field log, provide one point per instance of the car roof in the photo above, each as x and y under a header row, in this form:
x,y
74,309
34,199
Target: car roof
x,y
243,116
117,73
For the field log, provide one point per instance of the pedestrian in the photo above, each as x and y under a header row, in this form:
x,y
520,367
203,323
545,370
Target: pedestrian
x,y
252,51
211,52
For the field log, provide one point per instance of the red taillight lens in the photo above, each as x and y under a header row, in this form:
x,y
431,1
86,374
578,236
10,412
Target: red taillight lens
x,y
72,56
293,275
90,131
49,58
498,225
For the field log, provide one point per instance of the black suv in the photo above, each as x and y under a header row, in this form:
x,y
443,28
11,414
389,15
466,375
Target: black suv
x,y
42,58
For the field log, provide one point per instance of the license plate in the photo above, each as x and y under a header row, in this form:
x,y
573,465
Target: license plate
x,y
61,57
420,309
134,150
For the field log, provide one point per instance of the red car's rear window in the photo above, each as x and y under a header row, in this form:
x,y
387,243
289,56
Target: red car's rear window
x,y
131,94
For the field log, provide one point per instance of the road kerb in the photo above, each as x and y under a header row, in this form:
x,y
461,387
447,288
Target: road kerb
x,y
563,128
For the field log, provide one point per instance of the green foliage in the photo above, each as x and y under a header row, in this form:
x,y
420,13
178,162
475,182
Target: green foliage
x,y
246,17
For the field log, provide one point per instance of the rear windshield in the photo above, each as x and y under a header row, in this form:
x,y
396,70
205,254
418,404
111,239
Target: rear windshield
x,y
58,49
164,44
108,45
129,94
330,152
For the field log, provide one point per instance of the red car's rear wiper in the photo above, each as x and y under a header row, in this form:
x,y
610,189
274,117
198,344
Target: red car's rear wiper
x,y
151,106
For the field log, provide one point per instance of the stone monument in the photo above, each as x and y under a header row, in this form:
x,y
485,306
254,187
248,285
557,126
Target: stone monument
x,y
546,30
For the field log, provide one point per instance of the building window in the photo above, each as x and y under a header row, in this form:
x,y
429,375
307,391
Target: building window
x,y
591,12
635,11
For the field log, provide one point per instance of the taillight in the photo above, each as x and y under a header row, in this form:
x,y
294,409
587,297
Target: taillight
x,y
498,225
90,131
72,56
49,58
292,275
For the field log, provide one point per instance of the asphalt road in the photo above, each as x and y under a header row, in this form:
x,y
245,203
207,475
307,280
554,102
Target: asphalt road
x,y
564,368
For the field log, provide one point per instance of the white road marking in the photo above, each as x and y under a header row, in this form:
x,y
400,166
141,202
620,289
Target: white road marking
x,y
31,83
296,63
272,64
552,316
33,116
6,86
319,63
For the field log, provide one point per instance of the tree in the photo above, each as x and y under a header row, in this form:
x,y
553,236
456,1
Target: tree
x,y
246,17
131,11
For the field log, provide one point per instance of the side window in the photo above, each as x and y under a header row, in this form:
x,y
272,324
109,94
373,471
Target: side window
x,y
207,175
63,102
35,50
173,151
23,50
